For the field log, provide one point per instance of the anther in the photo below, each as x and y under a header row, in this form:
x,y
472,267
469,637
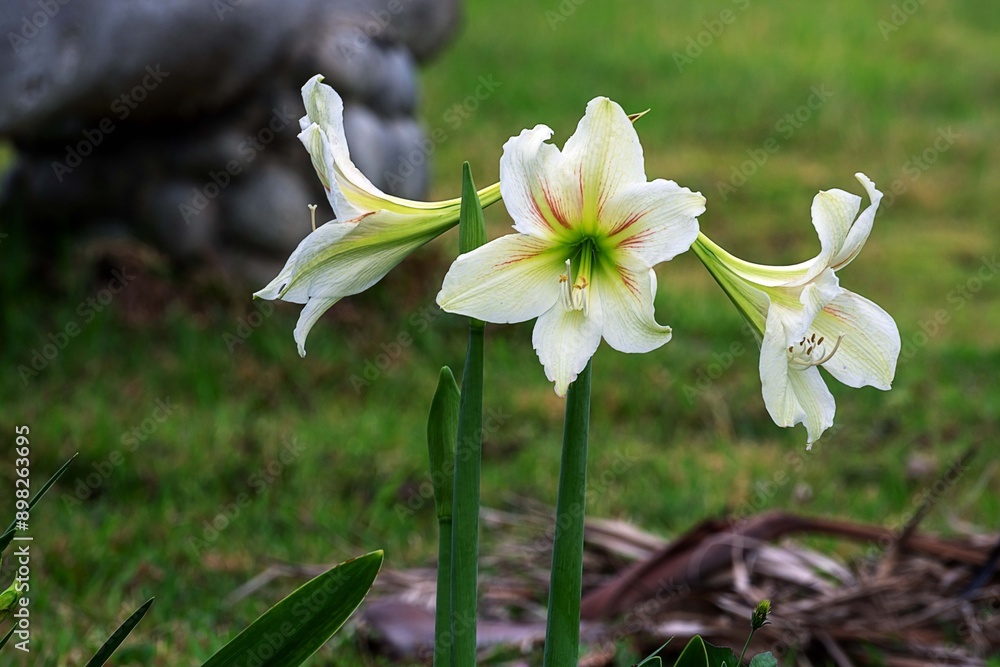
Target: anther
x,y
804,359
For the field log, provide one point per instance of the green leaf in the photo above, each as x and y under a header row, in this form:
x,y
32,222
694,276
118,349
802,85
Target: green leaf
x,y
699,653
8,534
654,658
123,631
295,628
472,224
764,660
442,430
3,642
465,524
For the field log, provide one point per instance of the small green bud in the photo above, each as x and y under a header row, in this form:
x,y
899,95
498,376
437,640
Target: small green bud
x,y
9,598
759,617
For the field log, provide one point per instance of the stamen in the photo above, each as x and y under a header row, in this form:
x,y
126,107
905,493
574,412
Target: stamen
x,y
836,346
567,292
804,359
312,211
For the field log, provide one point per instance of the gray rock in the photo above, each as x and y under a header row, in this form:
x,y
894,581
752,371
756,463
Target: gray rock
x,y
370,143
141,60
381,75
267,210
408,173
184,235
162,114
423,26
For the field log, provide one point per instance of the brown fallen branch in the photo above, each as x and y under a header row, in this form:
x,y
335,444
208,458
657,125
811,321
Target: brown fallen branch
x,y
642,590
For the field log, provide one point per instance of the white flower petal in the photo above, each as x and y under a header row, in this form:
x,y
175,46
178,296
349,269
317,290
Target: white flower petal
x,y
833,213
656,221
604,155
796,307
314,308
536,186
814,297
626,298
325,108
870,345
816,401
861,228
565,340
344,258
792,395
286,285
511,279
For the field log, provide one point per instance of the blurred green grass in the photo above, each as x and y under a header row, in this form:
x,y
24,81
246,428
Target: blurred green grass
x,y
357,453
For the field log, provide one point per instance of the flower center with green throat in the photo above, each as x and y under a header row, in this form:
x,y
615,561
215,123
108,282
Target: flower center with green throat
x,y
576,283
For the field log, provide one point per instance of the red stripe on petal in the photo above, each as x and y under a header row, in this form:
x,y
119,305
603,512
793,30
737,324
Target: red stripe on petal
x,y
637,239
538,209
557,213
629,281
628,222
514,259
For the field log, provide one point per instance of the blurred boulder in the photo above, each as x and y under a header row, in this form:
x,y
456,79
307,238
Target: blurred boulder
x,y
178,119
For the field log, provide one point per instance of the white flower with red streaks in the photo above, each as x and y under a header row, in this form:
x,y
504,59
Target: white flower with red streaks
x,y
590,230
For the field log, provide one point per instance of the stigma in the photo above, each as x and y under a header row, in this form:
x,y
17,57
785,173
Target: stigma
x,y
574,296
812,351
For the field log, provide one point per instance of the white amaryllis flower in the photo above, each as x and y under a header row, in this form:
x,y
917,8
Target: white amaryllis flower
x,y
373,231
590,230
803,319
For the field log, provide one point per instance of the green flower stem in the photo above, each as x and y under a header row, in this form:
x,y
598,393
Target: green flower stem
x,y
562,631
465,535
468,457
442,609
746,646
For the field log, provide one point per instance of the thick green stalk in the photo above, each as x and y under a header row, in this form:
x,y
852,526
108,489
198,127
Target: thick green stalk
x,y
468,458
562,630
442,609
442,431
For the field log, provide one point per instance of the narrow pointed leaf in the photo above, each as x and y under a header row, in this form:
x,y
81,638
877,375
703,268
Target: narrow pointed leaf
x,y
8,534
442,429
123,631
305,620
3,642
654,659
472,224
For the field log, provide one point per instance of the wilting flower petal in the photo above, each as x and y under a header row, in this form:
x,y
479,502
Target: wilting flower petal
x,y
373,231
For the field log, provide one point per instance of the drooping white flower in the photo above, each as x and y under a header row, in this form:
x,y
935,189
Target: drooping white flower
x,y
373,231
803,319
590,230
